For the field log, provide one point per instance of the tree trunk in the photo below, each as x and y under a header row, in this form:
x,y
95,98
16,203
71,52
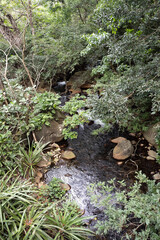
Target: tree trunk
x,y
11,34
30,17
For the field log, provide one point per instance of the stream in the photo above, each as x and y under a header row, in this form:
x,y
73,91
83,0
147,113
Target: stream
x,y
93,163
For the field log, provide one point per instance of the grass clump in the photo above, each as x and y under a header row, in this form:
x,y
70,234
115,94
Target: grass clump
x,y
28,159
23,217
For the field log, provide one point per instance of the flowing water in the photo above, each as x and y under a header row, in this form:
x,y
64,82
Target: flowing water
x,y
93,163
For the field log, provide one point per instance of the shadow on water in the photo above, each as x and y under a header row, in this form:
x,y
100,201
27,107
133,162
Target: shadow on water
x,y
93,163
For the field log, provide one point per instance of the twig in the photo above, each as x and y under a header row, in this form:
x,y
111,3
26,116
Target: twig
x,y
136,146
23,60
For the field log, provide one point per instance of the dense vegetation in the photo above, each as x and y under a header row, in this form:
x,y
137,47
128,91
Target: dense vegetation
x,y
42,42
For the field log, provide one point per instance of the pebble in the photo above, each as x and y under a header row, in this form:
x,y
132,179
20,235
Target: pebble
x,y
68,155
65,186
119,163
132,134
152,154
118,140
37,180
39,174
150,158
43,163
55,145
51,154
156,176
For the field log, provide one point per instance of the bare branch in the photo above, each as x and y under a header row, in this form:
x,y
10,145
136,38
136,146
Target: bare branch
x,y
6,68
23,60
30,17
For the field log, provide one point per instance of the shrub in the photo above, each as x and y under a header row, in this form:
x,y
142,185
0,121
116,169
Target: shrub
x,y
128,42
75,109
8,152
54,190
27,110
20,115
133,212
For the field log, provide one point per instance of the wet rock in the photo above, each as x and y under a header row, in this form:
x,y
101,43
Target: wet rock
x,y
68,155
119,163
133,142
60,86
56,160
75,91
156,176
39,174
151,133
123,150
41,90
52,133
152,154
37,180
44,164
65,186
150,158
118,140
86,86
55,145
59,116
60,162
132,134
55,154
79,79
51,154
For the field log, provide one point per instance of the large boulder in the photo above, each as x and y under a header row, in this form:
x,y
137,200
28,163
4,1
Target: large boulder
x,y
151,133
59,116
79,79
52,133
123,150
